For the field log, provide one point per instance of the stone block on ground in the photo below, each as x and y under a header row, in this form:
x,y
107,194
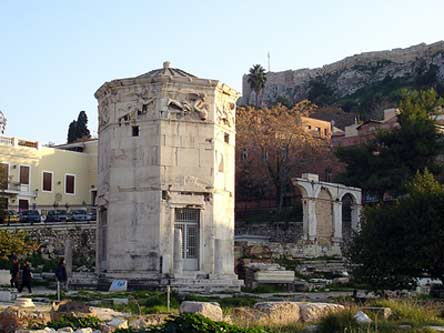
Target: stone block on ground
x,y
7,296
106,314
362,318
311,312
246,316
24,302
147,321
44,330
5,277
84,330
118,323
212,311
65,330
274,277
382,312
279,313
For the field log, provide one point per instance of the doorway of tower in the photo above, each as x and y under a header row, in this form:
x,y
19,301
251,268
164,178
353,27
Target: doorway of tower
x,y
188,221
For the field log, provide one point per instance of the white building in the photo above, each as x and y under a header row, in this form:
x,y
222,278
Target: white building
x,y
166,181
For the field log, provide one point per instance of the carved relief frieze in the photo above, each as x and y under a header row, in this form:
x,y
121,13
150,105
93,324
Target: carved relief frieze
x,y
191,105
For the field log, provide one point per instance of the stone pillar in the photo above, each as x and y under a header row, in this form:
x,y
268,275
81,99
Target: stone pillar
x,y
337,221
310,219
356,217
177,258
68,257
219,256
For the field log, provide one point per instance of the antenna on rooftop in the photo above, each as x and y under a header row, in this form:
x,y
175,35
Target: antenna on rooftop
x,y
268,56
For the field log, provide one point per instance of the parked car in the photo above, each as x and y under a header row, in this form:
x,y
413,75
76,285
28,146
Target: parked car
x,y
10,216
79,215
92,214
57,215
30,216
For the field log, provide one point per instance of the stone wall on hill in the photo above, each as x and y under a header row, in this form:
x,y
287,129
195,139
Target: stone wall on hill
x,y
347,76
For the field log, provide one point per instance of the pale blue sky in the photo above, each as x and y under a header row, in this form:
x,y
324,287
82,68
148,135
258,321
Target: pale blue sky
x,y
55,54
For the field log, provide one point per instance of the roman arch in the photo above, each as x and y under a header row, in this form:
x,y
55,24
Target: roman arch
x,y
331,211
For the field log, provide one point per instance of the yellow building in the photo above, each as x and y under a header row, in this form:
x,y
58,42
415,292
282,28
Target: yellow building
x,y
33,176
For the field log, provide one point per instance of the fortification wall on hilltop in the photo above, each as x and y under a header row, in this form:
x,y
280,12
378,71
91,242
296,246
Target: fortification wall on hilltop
x,y
349,74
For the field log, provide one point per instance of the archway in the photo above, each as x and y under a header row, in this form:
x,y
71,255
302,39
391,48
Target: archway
x,y
324,217
347,216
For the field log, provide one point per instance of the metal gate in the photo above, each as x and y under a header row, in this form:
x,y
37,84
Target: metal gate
x,y
187,220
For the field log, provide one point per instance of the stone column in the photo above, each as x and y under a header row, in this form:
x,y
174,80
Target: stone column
x,y
356,217
310,219
177,258
337,221
68,257
218,256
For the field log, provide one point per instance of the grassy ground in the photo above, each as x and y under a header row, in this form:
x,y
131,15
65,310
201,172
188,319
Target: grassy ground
x,y
416,313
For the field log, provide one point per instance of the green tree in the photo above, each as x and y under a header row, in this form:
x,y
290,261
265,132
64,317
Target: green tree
x,y
17,243
256,79
401,242
72,132
82,126
388,162
78,130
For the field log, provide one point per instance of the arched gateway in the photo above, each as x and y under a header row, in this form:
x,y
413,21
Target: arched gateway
x,y
331,211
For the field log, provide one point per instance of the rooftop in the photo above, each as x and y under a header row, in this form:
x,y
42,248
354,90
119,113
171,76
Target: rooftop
x,y
166,71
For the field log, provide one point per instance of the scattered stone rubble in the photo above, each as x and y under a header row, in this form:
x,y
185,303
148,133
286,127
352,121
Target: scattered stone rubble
x,y
212,311
263,273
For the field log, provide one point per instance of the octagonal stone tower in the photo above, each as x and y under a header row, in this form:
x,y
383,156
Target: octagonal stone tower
x,y
166,181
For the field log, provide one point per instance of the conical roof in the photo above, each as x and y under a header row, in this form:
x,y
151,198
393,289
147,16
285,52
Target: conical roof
x,y
166,71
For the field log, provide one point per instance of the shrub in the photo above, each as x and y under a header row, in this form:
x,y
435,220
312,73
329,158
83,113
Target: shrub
x,y
75,322
338,323
194,323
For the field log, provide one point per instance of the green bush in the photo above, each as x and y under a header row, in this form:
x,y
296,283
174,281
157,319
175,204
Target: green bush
x,y
194,323
338,323
74,322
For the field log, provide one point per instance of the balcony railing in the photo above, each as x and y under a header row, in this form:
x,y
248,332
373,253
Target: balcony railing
x,y
13,141
6,141
10,187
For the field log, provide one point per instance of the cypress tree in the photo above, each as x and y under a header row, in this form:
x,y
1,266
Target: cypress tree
x,y
82,126
72,131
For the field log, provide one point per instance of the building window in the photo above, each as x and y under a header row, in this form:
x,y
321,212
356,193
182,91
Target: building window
x,y
70,184
47,181
135,130
244,154
24,174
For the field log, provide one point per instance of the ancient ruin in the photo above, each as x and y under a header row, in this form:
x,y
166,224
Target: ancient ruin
x,y
166,181
331,213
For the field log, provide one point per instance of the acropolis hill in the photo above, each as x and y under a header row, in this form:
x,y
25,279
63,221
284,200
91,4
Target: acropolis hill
x,y
419,66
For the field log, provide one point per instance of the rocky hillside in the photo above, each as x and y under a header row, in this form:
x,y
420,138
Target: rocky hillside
x,y
363,84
